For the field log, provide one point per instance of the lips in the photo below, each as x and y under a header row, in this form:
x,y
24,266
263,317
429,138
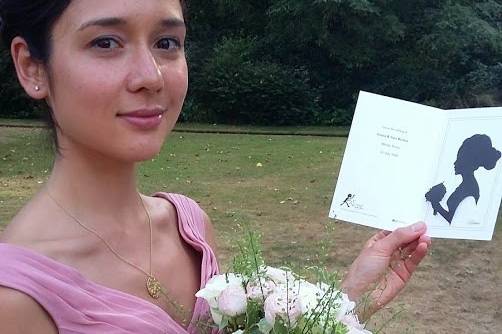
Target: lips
x,y
144,119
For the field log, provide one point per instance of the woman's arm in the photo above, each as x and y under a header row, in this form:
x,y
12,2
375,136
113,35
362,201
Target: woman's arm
x,y
20,314
442,211
458,196
384,267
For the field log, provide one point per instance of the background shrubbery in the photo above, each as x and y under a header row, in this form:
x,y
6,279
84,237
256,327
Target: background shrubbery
x,y
281,62
235,85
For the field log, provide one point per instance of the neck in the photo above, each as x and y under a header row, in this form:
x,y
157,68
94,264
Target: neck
x,y
468,177
95,188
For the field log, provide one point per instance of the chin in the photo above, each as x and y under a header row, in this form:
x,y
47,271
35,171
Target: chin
x,y
137,151
143,154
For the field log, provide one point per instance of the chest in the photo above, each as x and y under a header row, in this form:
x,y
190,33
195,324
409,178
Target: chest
x,y
178,269
175,264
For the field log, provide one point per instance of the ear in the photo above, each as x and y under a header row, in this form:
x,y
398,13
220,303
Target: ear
x,y
31,72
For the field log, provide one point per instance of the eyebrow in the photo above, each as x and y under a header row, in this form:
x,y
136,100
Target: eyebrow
x,y
117,21
103,22
172,23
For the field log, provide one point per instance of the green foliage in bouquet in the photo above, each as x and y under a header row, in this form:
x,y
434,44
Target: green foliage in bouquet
x,y
250,259
258,299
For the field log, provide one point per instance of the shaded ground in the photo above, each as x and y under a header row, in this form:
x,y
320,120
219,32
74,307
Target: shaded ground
x,y
283,186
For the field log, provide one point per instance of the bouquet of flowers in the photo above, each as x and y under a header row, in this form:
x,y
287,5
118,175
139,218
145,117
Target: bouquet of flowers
x,y
260,299
436,195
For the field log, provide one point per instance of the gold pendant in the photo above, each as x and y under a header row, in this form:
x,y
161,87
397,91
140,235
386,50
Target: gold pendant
x,y
153,286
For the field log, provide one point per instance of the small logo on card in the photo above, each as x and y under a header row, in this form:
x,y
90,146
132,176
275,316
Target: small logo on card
x,y
350,202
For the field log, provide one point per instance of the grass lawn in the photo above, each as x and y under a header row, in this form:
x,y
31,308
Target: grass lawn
x,y
293,184
326,131
282,185
20,122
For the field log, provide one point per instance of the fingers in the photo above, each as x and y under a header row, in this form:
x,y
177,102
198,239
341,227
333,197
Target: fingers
x,y
426,239
401,237
416,257
409,249
405,251
405,267
378,236
386,233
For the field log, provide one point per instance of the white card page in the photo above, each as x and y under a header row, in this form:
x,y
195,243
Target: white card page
x,y
475,216
397,151
387,162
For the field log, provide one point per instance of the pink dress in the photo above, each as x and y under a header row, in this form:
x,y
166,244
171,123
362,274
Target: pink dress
x,y
78,305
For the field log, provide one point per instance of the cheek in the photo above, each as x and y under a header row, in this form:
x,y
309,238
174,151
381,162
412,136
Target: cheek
x,y
83,89
91,87
176,81
84,99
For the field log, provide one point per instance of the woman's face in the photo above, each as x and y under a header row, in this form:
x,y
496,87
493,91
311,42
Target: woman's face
x,y
464,164
118,76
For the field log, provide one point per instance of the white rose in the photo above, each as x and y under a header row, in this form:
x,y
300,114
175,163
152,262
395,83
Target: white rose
x,y
212,291
353,330
355,327
279,276
346,306
233,301
279,304
308,296
215,286
257,291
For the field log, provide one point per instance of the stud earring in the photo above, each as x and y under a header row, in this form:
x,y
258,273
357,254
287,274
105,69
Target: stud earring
x,y
37,88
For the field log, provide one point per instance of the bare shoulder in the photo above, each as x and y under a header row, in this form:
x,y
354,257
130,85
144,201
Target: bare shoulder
x,y
16,308
163,213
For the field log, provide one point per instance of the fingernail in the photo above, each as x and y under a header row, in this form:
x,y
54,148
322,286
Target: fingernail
x,y
418,227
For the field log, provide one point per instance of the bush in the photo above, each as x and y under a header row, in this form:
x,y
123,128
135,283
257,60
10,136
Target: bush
x,y
234,87
333,116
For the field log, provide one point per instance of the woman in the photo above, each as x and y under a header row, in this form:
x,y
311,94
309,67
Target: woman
x,y
114,75
475,152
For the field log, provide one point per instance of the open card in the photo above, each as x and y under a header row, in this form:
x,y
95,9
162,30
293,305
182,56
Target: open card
x,y
405,162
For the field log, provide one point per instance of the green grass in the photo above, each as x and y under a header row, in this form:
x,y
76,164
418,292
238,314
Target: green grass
x,y
283,130
21,122
330,131
25,161
223,172
269,181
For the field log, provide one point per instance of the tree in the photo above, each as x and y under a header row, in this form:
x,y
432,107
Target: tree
x,y
304,61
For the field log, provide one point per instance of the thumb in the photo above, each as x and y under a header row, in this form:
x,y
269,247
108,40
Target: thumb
x,y
401,236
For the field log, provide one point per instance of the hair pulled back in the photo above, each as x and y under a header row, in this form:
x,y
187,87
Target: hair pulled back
x,y
479,150
33,21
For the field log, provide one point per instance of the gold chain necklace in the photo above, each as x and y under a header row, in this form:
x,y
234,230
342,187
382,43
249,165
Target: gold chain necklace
x,y
153,286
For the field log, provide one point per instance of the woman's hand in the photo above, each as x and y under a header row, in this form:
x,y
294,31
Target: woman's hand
x,y
384,267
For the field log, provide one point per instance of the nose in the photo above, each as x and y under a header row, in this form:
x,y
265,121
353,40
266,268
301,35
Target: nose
x,y
145,73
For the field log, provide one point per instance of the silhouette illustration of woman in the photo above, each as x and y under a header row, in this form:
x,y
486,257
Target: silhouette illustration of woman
x,y
476,151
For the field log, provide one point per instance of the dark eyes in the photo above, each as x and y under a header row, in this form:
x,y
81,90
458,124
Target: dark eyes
x,y
112,43
168,43
105,43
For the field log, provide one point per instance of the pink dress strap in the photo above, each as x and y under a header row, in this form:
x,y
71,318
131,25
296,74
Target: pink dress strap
x,y
192,227
78,305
